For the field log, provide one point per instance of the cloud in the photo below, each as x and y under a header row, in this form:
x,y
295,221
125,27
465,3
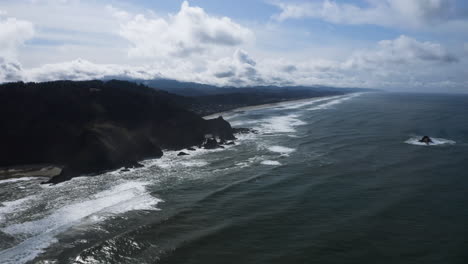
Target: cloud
x,y
244,58
59,24
63,16
190,31
10,71
13,33
399,64
239,69
403,50
192,45
118,13
399,13
289,68
81,69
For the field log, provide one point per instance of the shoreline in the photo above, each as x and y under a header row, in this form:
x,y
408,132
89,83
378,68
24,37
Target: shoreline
x,y
29,170
264,106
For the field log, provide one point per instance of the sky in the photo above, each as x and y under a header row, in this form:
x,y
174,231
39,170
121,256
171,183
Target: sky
x,y
395,45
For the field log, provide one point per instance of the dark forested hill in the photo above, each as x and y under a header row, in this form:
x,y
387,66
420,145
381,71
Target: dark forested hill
x,y
90,126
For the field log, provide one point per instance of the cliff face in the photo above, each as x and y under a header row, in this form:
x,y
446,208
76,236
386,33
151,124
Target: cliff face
x,y
92,126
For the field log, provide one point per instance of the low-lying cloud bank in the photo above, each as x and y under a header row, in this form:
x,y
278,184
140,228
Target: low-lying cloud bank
x,y
403,63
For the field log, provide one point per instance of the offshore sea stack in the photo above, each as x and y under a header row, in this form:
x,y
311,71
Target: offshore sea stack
x,y
90,127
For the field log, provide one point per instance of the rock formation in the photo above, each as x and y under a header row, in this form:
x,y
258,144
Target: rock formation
x,y
90,127
426,140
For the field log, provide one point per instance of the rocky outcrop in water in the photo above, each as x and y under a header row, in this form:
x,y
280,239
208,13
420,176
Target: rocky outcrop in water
x,y
92,126
211,143
426,140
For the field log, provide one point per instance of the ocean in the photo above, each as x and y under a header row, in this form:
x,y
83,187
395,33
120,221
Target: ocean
x,y
340,179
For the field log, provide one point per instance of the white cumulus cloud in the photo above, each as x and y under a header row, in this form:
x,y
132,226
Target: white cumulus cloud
x,y
13,33
190,31
239,69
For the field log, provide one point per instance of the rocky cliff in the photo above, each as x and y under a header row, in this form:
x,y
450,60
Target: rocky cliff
x,y
92,126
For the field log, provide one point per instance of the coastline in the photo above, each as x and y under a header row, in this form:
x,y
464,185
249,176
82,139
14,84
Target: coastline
x,y
31,170
264,106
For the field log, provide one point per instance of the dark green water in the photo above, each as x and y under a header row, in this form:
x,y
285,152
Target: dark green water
x,y
336,180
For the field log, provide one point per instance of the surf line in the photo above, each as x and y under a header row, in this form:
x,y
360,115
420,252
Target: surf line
x,y
270,105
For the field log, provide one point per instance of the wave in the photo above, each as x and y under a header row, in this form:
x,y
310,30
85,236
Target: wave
x,y
12,180
15,206
194,163
338,100
281,149
435,141
281,124
296,105
242,122
41,233
270,162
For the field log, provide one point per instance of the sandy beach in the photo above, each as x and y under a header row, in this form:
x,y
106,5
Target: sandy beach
x,y
262,106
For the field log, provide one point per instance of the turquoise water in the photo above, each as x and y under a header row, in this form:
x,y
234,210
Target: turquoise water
x,y
332,180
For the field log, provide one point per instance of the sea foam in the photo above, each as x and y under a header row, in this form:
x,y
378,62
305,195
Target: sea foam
x,y
296,105
15,206
281,149
435,141
41,233
270,162
338,100
20,179
281,124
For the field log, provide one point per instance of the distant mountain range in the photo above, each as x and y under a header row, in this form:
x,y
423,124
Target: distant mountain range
x,y
205,99
198,89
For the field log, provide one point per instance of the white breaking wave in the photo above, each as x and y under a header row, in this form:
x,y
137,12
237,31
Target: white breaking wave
x,y
170,159
281,149
242,122
41,233
194,163
296,105
435,141
287,123
20,179
250,161
14,206
281,124
270,162
338,100
171,162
